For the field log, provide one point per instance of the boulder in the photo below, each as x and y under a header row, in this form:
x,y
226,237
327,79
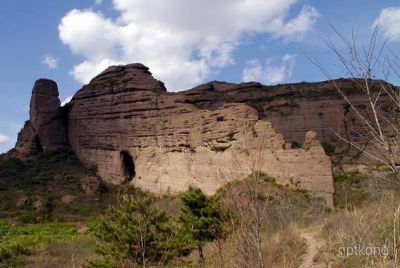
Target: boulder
x,y
40,204
90,184
23,202
68,199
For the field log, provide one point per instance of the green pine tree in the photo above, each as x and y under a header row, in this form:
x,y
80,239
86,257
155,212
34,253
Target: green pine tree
x,y
201,218
135,233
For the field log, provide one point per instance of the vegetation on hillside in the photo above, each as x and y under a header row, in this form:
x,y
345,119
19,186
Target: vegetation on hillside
x,y
254,221
43,181
134,228
365,232
135,232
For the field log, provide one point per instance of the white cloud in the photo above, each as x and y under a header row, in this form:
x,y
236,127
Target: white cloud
x,y
388,21
50,61
98,2
300,24
66,100
269,73
182,42
3,139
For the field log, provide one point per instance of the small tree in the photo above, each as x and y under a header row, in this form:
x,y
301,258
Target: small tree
x,y
135,233
376,118
250,215
201,218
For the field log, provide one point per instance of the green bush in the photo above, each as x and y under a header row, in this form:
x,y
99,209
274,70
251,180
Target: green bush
x,y
8,257
25,240
262,196
64,155
35,216
10,167
304,192
348,177
268,178
135,232
9,252
4,230
328,148
38,235
201,219
351,190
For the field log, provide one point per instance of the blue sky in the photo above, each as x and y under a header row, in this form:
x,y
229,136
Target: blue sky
x,y
184,42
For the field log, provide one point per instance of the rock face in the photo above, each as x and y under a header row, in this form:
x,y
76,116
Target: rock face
x,y
45,130
127,125
132,130
293,109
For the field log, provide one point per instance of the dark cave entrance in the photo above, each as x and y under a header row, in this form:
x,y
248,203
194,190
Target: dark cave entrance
x,y
127,166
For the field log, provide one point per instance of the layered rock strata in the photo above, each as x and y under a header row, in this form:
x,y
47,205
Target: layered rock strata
x,y
293,109
46,129
126,125
132,130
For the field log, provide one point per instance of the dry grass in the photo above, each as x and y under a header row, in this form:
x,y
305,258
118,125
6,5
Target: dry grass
x,y
366,237
70,254
270,221
270,224
283,248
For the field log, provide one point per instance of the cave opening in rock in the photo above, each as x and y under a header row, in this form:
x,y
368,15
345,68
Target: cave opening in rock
x,y
127,166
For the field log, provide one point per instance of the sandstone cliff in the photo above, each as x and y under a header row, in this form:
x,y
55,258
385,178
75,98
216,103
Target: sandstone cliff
x,y
126,124
293,109
45,130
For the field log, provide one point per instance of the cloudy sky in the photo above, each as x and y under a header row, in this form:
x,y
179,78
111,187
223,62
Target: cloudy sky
x,y
184,42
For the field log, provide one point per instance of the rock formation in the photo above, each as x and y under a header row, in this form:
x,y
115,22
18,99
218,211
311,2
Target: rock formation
x,y
45,130
126,125
293,109
132,130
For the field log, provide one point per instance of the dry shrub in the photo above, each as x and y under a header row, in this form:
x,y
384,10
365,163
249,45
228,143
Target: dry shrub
x,y
284,248
367,237
70,254
268,216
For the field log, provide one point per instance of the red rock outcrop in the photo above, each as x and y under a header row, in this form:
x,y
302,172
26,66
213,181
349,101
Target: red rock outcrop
x,y
45,130
293,109
127,125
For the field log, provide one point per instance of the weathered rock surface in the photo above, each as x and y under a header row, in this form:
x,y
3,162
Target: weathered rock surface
x,y
68,199
293,109
46,129
126,124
